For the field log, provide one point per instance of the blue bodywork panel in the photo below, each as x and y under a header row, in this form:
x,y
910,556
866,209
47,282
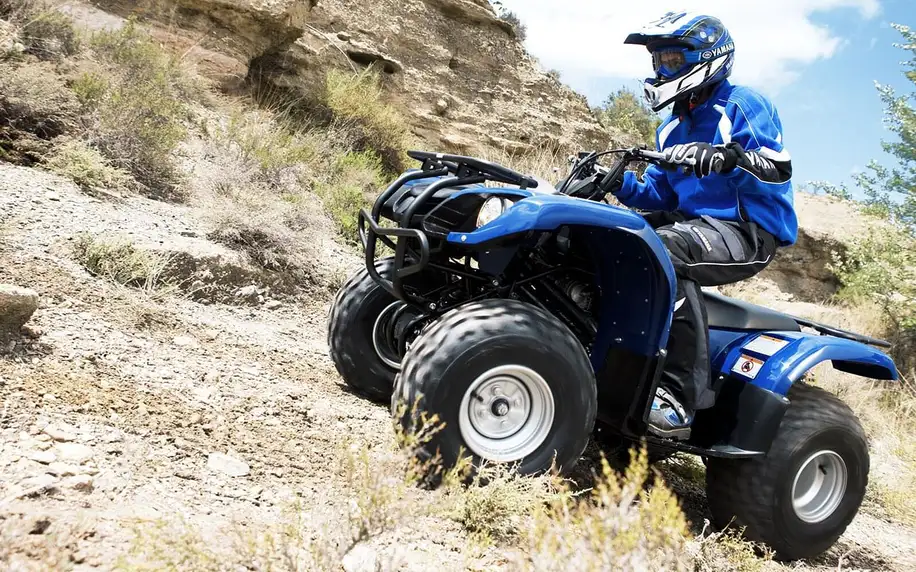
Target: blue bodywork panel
x,y
550,212
776,360
634,268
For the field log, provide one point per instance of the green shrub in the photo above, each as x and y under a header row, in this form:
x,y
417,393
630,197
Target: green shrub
x,y
35,107
137,109
881,268
90,88
355,99
43,31
269,146
50,35
87,167
358,176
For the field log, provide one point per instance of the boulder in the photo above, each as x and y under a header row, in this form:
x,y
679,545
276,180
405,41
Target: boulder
x,y
16,307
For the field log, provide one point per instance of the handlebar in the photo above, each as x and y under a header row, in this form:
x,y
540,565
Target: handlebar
x,y
459,165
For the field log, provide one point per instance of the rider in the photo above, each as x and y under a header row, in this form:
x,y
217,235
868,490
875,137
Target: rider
x,y
724,218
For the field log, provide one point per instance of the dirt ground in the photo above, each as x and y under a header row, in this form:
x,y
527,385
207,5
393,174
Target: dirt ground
x,y
133,408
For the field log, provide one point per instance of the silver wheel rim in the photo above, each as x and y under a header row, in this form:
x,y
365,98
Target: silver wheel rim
x,y
819,486
506,413
382,317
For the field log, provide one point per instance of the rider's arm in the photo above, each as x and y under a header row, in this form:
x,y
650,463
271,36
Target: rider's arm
x,y
753,130
653,193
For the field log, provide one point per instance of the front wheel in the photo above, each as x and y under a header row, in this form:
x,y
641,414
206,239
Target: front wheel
x,y
801,497
510,382
364,328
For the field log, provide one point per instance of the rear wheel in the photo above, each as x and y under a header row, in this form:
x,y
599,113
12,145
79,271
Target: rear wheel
x,y
364,327
801,497
510,382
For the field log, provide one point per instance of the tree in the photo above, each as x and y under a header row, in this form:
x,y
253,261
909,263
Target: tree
x,y
893,190
628,112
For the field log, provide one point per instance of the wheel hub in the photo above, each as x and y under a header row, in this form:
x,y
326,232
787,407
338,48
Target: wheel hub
x,y
389,324
819,486
506,413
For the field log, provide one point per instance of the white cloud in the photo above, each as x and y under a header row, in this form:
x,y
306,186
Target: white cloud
x,y
774,39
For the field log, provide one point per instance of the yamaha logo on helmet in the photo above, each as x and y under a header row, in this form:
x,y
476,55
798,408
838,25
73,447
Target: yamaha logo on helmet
x,y
709,54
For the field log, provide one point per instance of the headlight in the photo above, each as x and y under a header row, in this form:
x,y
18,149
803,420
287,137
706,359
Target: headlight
x,y
491,210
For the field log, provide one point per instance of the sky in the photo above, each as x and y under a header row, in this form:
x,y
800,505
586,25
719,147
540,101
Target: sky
x,y
817,60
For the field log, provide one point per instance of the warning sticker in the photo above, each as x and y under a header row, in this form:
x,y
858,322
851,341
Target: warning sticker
x,y
748,366
766,345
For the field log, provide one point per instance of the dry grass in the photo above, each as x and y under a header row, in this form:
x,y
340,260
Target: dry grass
x,y
120,262
88,168
136,107
356,101
728,550
620,525
499,504
356,180
40,30
35,107
532,522
253,189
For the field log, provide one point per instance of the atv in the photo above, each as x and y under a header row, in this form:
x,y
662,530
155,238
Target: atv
x,y
530,317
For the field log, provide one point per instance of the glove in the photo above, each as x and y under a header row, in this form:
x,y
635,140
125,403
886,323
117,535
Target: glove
x,y
613,185
703,158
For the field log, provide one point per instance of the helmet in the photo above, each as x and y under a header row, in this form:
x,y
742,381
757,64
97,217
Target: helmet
x,y
689,52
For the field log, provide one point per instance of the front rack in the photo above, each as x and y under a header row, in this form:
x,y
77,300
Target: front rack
x,y
408,259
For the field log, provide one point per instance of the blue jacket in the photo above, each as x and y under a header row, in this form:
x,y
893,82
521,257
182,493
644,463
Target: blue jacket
x,y
758,189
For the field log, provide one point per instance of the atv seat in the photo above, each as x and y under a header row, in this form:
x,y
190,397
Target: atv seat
x,y
730,314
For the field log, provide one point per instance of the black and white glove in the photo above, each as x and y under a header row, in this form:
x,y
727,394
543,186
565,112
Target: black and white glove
x,y
703,158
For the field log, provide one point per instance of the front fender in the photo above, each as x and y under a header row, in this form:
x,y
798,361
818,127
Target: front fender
x,y
549,212
776,360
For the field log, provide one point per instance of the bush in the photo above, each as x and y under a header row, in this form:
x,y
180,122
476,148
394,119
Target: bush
x,y
355,99
357,178
43,31
621,525
87,167
498,504
35,107
511,18
269,147
881,268
50,35
120,261
137,107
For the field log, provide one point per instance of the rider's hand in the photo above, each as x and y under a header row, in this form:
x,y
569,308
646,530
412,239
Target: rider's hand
x,y
705,158
612,186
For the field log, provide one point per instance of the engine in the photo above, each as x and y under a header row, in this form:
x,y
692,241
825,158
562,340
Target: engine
x,y
581,293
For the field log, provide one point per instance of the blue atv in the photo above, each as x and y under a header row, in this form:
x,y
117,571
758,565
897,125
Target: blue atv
x,y
531,317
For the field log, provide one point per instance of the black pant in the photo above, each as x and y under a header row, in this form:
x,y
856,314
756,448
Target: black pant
x,y
705,252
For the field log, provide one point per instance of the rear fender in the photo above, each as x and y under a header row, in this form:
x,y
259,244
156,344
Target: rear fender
x,y
775,360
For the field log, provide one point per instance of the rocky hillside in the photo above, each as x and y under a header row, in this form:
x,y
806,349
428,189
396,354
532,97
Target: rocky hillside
x,y
457,70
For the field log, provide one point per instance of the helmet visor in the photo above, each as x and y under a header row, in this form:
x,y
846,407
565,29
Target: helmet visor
x,y
668,63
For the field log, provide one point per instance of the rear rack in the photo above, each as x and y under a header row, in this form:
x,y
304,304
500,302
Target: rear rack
x,y
837,332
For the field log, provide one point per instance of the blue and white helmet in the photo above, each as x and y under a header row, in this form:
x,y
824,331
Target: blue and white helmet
x,y
689,52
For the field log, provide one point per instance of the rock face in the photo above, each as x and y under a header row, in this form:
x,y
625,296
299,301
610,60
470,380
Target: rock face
x,y
456,70
16,307
826,226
